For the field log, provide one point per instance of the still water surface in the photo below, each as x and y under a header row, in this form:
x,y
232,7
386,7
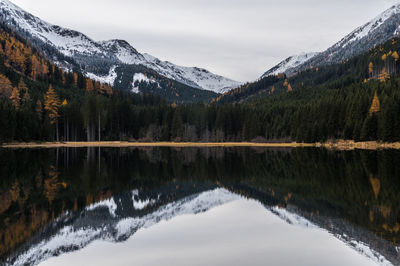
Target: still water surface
x,y
214,206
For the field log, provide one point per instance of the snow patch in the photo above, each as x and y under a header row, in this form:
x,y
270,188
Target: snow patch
x,y
109,79
141,204
109,203
140,77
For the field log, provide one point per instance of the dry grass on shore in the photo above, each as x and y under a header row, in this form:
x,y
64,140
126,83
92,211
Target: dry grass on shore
x,y
338,144
122,144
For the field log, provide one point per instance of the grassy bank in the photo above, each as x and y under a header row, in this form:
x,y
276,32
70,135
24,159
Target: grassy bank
x,y
121,144
340,144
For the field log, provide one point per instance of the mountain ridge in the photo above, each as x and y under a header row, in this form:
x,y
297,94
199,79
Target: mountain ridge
x,y
98,58
288,63
375,32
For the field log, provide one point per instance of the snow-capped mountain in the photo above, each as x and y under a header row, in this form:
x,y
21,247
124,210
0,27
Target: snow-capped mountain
x,y
100,58
375,32
288,63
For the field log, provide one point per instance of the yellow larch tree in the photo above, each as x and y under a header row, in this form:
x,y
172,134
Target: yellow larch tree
x,y
376,105
15,98
370,69
5,86
285,83
376,185
51,105
395,56
384,75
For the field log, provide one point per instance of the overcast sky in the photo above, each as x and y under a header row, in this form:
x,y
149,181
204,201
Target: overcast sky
x,y
240,39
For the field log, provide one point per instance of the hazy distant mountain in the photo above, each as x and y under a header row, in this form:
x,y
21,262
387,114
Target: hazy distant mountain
x,y
72,49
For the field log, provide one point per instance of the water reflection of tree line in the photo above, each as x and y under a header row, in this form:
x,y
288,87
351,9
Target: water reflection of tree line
x,y
38,186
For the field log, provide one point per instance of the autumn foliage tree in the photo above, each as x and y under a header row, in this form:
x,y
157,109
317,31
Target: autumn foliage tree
x,y
5,87
370,69
15,98
376,105
51,105
384,75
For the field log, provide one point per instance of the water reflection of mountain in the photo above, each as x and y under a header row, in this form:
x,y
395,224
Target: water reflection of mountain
x,y
43,192
116,220
363,241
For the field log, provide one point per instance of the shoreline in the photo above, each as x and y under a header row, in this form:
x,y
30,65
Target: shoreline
x,y
336,145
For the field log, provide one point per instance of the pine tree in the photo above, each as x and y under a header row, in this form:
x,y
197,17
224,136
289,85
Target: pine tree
x,y
369,130
22,86
75,79
39,109
26,99
89,85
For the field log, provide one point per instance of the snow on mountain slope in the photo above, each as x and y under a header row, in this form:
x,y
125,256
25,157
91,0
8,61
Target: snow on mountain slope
x,y
67,41
370,27
78,234
140,77
289,63
98,58
192,76
108,79
124,52
379,30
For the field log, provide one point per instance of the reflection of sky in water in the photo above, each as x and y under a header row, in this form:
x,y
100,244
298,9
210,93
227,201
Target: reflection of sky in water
x,y
241,232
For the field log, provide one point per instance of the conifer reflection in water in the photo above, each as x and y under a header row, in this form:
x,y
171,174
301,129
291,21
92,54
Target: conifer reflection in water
x,y
351,194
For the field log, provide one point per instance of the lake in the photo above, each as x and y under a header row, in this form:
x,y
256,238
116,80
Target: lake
x,y
199,206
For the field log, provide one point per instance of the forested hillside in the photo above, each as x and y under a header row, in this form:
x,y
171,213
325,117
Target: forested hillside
x,y
357,99
148,81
